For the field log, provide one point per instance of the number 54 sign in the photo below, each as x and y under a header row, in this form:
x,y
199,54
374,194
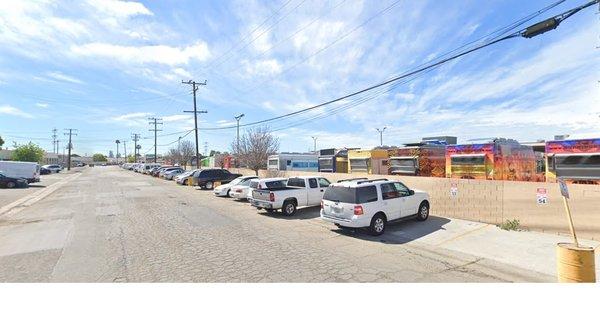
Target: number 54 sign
x,y
542,196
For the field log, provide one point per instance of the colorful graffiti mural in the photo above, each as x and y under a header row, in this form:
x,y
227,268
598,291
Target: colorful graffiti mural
x,y
501,159
418,161
575,161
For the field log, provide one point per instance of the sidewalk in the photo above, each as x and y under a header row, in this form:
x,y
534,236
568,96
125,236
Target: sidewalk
x,y
533,251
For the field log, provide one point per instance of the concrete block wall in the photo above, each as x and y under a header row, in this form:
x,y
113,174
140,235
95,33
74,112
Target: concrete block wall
x,y
497,201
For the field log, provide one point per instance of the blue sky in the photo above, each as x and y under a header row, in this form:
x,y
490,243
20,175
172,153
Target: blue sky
x,y
105,66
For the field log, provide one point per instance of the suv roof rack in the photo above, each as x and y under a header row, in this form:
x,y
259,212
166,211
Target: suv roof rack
x,y
352,179
372,180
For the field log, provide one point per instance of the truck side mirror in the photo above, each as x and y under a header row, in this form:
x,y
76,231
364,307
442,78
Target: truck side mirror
x,y
411,192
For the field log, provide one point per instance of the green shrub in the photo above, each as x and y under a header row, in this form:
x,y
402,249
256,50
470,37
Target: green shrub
x,y
510,225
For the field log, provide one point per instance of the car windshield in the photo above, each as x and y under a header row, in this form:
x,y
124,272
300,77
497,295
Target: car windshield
x,y
236,181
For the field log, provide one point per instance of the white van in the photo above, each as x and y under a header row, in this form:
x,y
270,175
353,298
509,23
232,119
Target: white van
x,y
25,170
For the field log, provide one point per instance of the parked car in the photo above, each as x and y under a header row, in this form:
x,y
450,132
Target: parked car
x,y
182,179
206,178
44,171
170,174
12,182
29,171
299,192
145,169
54,168
372,204
162,171
240,191
225,189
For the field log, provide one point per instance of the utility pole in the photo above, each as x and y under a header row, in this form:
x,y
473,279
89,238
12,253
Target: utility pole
x,y
135,138
70,146
155,130
381,135
117,155
54,148
124,151
206,149
57,150
315,141
195,112
237,147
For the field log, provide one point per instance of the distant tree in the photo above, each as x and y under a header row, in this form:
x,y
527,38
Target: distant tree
x,y
28,153
188,151
131,159
220,159
173,156
98,157
111,154
255,147
1,142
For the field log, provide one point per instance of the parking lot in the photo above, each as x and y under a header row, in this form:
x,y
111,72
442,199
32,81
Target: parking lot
x,y
113,225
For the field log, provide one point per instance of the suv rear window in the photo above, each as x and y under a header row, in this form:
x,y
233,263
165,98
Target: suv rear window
x,y
351,195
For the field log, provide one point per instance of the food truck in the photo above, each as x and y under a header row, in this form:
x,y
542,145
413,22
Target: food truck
x,y
292,161
334,160
575,161
426,158
500,159
373,161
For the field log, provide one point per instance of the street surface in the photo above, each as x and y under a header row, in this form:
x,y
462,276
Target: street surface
x,y
111,225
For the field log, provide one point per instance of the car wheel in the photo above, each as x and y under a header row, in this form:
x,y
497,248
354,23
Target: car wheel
x,y
208,185
228,193
289,208
10,184
378,223
423,212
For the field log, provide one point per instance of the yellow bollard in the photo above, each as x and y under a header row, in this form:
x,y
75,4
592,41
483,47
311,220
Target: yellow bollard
x,y
575,263
190,182
216,183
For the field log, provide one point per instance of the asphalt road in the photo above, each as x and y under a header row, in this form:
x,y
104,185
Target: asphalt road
x,y
111,225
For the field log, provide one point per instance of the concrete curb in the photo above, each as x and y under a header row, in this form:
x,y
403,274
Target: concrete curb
x,y
36,196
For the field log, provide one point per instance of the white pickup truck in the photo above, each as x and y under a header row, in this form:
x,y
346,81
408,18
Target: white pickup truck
x,y
299,192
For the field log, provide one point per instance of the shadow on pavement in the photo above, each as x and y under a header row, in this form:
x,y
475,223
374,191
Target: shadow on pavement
x,y
301,213
37,186
399,232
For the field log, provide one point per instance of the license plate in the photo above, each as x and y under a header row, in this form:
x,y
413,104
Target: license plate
x,y
337,209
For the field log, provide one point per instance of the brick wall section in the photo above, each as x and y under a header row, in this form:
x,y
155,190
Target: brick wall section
x,y
497,201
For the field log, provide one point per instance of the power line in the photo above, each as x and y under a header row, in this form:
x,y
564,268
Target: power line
x,y
332,43
560,17
265,30
248,35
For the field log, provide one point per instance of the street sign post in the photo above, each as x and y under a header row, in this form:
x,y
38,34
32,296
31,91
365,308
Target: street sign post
x,y
564,191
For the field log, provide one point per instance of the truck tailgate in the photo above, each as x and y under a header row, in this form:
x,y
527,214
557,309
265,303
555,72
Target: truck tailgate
x,y
262,195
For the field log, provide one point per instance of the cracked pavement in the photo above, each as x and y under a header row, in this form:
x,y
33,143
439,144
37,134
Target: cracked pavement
x,y
112,225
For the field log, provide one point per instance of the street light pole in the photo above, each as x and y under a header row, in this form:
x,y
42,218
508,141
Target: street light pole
x,y
315,143
381,135
117,155
237,146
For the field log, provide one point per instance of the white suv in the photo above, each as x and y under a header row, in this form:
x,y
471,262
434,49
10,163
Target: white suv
x,y
358,203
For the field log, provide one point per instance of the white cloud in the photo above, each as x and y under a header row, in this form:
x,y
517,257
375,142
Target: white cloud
x,y
177,117
121,9
42,105
149,54
259,68
59,76
14,111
